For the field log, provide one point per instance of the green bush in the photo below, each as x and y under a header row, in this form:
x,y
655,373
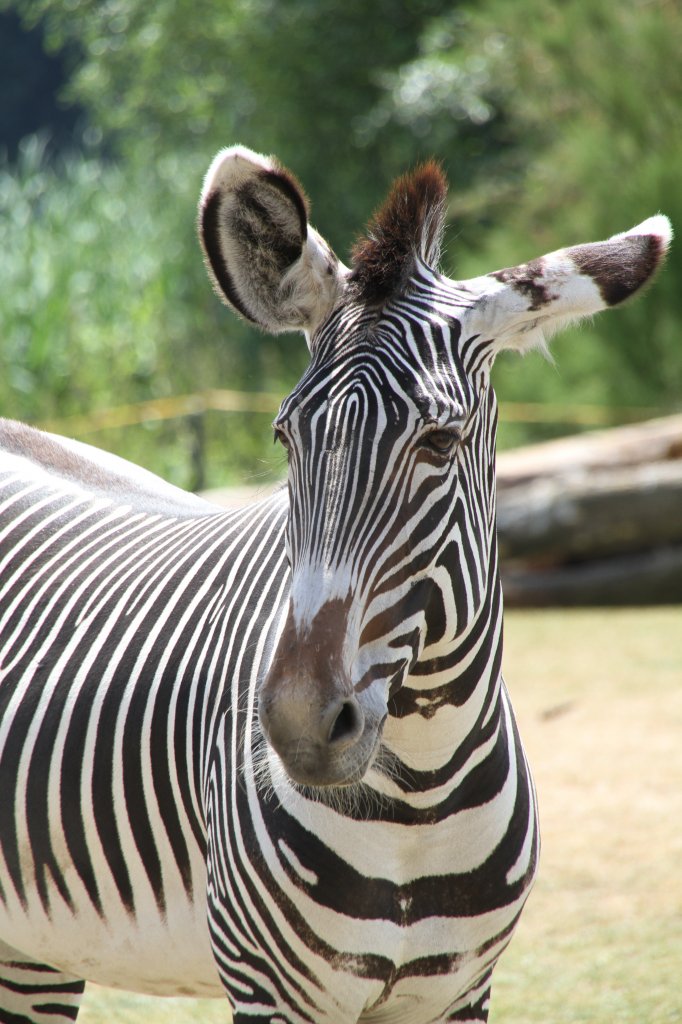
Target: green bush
x,y
557,124
104,302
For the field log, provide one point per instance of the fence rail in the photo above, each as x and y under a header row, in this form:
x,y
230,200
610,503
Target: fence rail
x,y
222,400
157,409
192,409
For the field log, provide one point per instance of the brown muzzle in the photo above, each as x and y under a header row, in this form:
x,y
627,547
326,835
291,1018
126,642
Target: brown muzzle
x,y
308,710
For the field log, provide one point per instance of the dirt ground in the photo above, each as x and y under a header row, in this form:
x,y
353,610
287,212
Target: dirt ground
x,y
601,720
598,695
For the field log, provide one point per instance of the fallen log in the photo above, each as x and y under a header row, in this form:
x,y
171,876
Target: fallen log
x,y
594,519
657,440
555,519
651,577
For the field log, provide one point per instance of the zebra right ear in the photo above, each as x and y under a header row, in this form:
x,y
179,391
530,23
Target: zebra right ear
x,y
262,256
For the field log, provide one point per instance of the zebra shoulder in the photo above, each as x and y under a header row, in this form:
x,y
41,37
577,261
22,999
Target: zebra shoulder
x,y
72,465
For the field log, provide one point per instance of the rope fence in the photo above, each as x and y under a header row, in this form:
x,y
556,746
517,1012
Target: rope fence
x,y
222,400
158,409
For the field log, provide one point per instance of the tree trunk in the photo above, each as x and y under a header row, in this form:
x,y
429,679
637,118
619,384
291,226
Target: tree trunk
x,y
654,577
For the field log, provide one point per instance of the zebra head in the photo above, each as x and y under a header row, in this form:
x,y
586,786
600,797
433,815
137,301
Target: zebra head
x,y
390,435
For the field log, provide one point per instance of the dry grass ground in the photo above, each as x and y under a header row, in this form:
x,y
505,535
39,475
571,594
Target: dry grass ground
x,y
599,700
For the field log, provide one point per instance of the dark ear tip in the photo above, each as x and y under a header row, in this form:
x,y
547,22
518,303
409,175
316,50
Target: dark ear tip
x,y
621,266
409,223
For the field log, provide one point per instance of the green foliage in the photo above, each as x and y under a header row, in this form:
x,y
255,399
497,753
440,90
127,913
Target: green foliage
x,y
557,124
291,78
589,93
104,301
74,287
611,159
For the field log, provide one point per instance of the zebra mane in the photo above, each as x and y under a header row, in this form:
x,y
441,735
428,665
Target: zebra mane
x,y
408,225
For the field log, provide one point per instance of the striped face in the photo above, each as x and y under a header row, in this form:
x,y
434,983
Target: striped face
x,y
390,438
390,434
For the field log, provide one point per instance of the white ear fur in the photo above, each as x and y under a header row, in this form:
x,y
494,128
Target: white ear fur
x,y
522,307
659,226
262,256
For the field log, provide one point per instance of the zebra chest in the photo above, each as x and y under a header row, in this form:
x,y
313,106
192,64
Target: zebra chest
x,y
396,914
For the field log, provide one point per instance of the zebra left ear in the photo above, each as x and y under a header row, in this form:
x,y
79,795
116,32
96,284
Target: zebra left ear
x,y
523,306
263,257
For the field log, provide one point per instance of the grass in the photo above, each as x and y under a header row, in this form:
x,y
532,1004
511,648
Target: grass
x,y
599,699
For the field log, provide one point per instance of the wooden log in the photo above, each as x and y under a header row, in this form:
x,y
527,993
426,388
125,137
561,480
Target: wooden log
x,y
652,577
594,519
555,519
644,443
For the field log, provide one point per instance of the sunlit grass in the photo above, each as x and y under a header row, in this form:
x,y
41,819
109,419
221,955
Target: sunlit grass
x,y
599,701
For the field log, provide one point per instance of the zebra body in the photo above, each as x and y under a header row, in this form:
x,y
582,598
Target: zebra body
x,y
157,939
269,752
157,572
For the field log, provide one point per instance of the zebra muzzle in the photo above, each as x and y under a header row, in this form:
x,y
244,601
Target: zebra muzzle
x,y
329,745
324,733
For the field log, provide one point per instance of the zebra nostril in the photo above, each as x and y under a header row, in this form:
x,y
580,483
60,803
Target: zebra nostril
x,y
347,723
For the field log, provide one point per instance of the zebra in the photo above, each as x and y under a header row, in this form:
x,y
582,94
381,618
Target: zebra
x,y
268,753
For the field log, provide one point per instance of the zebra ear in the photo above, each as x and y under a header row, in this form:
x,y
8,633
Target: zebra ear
x,y
262,256
523,306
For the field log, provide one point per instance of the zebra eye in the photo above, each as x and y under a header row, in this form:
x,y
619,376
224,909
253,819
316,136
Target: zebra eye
x,y
282,438
441,441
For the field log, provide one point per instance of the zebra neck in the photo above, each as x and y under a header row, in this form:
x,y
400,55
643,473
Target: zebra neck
x,y
450,713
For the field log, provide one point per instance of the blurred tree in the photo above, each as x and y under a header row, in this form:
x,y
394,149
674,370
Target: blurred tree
x,y
30,83
295,78
104,301
167,84
590,95
556,124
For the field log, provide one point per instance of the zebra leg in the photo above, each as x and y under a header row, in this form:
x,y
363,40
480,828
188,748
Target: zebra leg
x,y
33,993
475,1011
471,1015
